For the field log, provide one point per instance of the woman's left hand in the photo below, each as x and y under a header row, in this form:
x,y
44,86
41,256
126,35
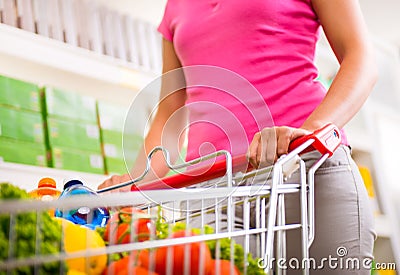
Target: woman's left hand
x,y
270,143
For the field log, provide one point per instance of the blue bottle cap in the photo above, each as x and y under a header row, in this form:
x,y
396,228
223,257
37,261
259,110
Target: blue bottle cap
x,y
71,183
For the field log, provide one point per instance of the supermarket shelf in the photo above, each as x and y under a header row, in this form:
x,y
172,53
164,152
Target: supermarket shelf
x,y
27,177
359,141
35,58
325,59
383,226
357,131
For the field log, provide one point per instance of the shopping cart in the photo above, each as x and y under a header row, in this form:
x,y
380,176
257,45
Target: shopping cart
x,y
220,191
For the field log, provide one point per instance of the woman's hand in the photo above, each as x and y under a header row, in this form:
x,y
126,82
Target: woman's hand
x,y
114,180
270,143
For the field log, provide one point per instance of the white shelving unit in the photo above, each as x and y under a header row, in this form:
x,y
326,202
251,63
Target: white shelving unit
x,y
31,57
368,141
384,122
46,61
27,176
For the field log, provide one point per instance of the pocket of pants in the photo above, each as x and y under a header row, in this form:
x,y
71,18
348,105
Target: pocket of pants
x,y
339,162
333,169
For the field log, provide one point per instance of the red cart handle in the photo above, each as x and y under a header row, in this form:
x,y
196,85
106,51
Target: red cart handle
x,y
195,176
326,140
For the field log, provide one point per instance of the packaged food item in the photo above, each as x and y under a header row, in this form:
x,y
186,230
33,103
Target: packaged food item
x,y
30,153
83,215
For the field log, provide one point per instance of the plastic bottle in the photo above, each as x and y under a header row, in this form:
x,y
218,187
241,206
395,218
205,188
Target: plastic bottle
x,y
90,217
46,191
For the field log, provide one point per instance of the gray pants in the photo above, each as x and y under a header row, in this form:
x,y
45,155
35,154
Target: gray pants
x,y
344,233
343,217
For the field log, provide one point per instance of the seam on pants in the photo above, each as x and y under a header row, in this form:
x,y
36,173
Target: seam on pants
x,y
358,204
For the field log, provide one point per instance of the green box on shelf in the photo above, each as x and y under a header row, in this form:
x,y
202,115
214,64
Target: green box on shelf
x,y
67,104
111,137
114,143
116,166
111,117
19,94
3,83
77,160
23,152
21,125
110,150
71,134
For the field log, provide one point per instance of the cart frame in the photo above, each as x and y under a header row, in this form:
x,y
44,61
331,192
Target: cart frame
x,y
269,219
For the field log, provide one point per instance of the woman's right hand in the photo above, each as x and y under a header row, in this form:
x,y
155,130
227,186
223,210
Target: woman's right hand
x,y
114,180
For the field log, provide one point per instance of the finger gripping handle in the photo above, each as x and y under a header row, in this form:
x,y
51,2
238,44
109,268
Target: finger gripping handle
x,y
326,140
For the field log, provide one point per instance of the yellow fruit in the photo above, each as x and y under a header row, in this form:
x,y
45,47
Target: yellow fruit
x,y
75,272
82,239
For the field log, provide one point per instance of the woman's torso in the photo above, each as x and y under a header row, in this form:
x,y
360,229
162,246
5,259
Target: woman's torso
x,y
267,45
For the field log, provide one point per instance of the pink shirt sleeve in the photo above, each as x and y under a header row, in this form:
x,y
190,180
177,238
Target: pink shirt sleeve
x,y
165,26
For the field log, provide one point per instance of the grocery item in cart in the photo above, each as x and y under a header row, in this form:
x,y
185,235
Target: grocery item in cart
x,y
46,191
224,268
196,254
83,215
77,239
129,224
19,235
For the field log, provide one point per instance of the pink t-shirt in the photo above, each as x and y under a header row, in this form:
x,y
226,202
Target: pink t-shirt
x,y
252,67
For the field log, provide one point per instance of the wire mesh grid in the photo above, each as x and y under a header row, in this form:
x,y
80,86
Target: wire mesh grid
x,y
240,218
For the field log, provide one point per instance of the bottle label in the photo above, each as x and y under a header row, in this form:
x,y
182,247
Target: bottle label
x,y
47,198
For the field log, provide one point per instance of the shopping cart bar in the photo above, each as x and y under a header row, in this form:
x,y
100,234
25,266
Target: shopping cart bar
x,y
326,140
194,176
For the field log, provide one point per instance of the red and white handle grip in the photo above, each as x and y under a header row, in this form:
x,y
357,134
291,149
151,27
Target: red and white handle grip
x,y
326,140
